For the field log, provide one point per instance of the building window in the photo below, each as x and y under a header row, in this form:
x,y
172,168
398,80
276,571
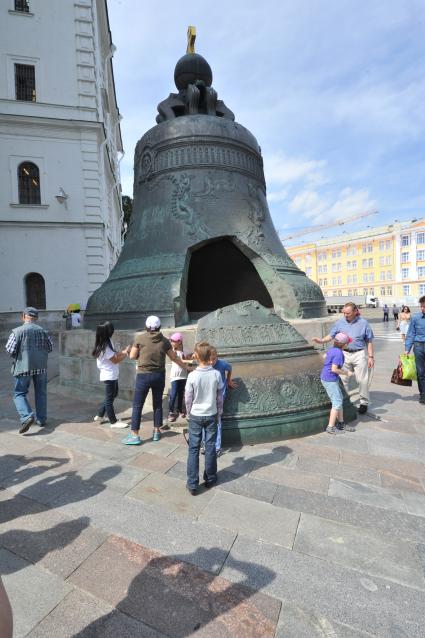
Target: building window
x,y
339,293
389,290
338,267
420,255
421,271
349,280
388,244
364,263
382,261
355,292
382,276
365,279
383,291
338,252
388,260
422,289
334,281
369,248
35,290
308,271
334,254
22,5
334,293
381,245
372,291
370,263
325,268
404,273
354,279
354,265
406,289
320,282
25,82
405,240
404,258
389,275
348,250
29,183
420,238
325,282
365,291
339,280
371,276
364,248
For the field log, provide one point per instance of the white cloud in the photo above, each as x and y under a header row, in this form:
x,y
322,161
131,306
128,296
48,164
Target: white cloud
x,y
325,208
278,195
281,169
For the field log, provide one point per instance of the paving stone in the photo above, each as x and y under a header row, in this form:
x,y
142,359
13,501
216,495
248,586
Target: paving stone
x,y
110,450
340,595
395,445
360,549
352,441
252,518
13,506
179,471
171,493
367,494
94,618
123,481
415,503
22,580
258,489
411,468
160,529
152,462
90,430
393,524
179,454
58,543
303,622
235,463
61,458
196,600
293,478
303,449
159,448
337,470
19,445
398,481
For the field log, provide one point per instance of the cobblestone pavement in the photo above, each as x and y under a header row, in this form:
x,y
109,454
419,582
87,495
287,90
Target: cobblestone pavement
x,y
316,537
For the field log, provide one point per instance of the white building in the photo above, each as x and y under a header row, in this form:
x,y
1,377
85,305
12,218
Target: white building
x,y
60,193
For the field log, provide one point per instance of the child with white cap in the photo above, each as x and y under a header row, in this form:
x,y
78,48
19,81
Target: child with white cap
x,y
332,370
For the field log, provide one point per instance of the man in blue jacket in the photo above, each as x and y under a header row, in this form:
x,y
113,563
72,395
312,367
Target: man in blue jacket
x,y
416,337
29,346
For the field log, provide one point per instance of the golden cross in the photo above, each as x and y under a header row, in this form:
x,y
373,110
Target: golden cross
x,y
191,37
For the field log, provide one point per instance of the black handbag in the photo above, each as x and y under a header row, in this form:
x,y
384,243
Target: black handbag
x,y
397,377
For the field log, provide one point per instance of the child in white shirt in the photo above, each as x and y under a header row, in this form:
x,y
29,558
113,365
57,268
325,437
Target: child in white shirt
x,y
108,361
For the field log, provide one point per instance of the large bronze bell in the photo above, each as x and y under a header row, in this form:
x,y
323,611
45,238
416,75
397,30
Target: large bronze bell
x,y
201,236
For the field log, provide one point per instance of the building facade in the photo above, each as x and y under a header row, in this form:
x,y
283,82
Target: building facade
x,y
60,146
387,262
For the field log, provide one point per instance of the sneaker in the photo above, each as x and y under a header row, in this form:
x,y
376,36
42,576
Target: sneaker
x,y
332,430
218,452
156,436
191,490
120,425
99,419
362,408
40,424
209,484
422,399
25,426
131,439
183,415
165,426
172,418
202,449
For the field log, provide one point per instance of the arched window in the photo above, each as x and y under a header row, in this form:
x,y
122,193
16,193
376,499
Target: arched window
x,y
35,290
29,183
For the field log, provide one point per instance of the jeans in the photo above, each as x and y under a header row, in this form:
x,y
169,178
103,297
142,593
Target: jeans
x,y
176,392
146,381
334,393
22,385
385,316
219,428
419,352
197,426
111,392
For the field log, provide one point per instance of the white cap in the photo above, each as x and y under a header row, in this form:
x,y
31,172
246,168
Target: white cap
x,y
153,322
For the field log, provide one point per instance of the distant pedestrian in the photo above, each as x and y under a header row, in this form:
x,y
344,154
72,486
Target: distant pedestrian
x,y
385,310
108,360
359,356
331,372
29,346
225,369
416,337
150,349
178,377
405,317
395,315
204,403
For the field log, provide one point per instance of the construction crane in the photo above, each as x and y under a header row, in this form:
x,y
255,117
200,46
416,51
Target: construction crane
x,y
337,222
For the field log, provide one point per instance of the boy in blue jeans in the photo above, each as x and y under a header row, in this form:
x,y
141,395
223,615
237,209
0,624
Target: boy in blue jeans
x,y
204,404
332,370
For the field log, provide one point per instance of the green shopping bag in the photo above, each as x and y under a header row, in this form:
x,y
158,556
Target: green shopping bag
x,y
408,366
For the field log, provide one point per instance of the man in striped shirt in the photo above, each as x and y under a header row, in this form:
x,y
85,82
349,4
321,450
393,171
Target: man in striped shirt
x,y
29,346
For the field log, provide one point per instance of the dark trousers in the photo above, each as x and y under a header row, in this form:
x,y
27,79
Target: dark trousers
x,y
419,352
198,425
111,393
385,316
176,393
146,381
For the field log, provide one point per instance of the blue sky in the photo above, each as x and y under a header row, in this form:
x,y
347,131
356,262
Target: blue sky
x,y
333,90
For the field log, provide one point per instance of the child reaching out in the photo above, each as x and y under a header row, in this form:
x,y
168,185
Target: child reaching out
x,y
108,361
178,377
332,370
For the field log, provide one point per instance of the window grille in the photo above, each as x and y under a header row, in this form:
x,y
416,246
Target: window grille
x,y
22,5
29,183
25,82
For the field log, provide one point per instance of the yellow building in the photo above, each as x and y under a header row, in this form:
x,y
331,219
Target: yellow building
x,y
387,262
